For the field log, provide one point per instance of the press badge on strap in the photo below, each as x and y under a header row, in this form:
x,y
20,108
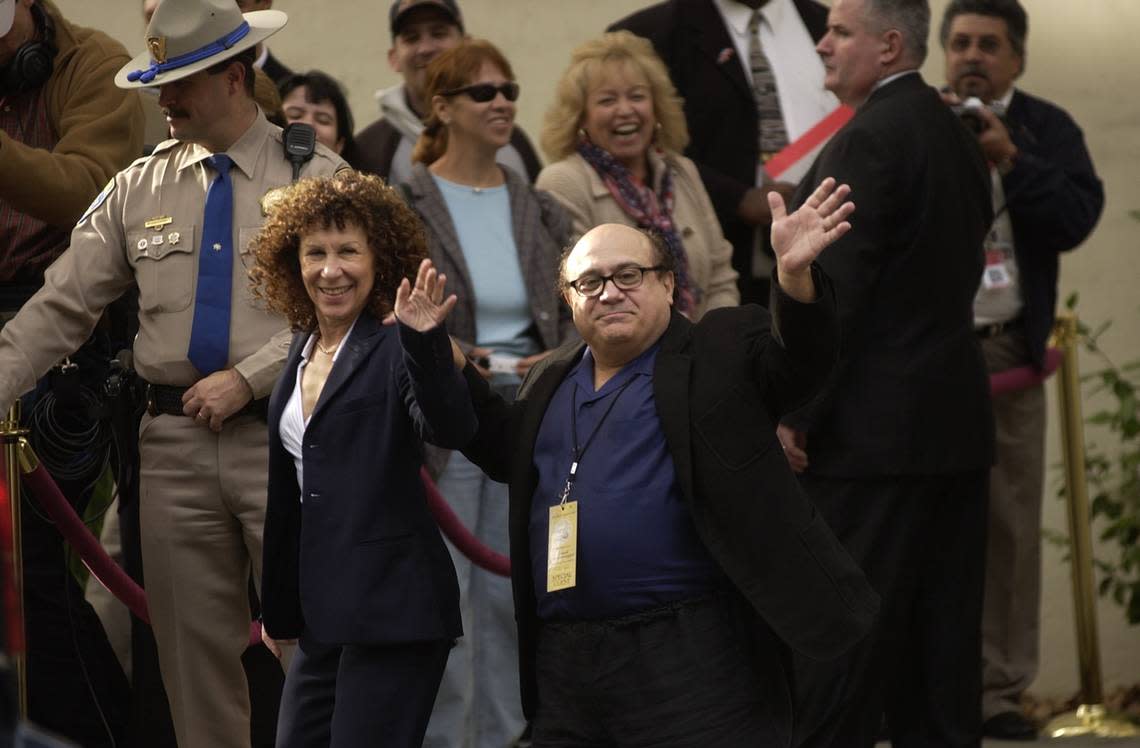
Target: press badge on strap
x,y
562,547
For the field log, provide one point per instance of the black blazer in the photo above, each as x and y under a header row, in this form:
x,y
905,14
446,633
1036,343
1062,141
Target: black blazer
x,y
720,386
689,36
910,395
361,560
1054,199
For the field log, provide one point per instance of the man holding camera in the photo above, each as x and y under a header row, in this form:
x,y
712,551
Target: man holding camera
x,y
1047,198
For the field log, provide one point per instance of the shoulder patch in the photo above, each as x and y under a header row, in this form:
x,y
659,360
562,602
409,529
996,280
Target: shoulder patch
x,y
99,200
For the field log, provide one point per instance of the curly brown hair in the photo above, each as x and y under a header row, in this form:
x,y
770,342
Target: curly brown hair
x,y
395,237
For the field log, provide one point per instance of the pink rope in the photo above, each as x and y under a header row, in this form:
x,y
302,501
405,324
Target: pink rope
x,y
1024,377
74,531
462,538
108,573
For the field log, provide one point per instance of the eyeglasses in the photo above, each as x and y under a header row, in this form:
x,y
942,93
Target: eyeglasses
x,y
484,92
626,279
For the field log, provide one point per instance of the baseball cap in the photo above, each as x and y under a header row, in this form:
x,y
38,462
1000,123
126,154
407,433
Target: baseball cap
x,y
401,8
7,13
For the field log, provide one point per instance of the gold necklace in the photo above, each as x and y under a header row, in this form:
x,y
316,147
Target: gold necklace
x,y
326,351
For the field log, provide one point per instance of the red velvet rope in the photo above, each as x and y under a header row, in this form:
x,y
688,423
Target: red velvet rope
x,y
1024,377
125,589
462,538
13,625
44,489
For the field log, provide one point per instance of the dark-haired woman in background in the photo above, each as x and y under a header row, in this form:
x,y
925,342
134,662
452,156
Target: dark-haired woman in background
x,y
353,564
498,241
316,99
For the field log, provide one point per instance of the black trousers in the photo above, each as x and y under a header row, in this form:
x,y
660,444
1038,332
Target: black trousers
x,y
678,677
353,695
921,541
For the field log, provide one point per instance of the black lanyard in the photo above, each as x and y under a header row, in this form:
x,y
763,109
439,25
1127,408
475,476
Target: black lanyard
x,y
579,453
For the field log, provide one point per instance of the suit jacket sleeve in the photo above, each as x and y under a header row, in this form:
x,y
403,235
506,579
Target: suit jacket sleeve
x,y
434,392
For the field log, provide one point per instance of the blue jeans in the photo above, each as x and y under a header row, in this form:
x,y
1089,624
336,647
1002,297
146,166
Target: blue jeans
x,y
478,702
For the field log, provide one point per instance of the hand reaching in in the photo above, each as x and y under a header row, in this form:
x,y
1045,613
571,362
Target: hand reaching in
x,y
423,307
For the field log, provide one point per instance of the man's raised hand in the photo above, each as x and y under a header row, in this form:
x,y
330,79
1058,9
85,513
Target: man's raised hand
x,y
423,307
797,239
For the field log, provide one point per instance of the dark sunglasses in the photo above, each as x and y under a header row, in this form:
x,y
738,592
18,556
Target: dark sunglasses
x,y
484,92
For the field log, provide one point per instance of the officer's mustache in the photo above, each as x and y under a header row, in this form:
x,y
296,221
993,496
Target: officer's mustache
x,y
174,113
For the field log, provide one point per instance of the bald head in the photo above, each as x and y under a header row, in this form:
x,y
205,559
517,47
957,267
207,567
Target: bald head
x,y
618,323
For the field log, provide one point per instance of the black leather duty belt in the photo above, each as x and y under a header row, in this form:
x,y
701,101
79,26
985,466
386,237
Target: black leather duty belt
x,y
166,400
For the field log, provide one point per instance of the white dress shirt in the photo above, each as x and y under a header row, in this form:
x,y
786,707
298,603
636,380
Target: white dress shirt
x,y
792,56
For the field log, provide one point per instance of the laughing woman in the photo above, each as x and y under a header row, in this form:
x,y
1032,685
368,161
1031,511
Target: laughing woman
x,y
616,131
354,567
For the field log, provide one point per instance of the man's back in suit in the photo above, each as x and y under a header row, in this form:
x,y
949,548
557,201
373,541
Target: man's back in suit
x,y
898,445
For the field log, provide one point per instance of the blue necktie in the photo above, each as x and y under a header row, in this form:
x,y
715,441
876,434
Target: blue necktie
x,y
210,334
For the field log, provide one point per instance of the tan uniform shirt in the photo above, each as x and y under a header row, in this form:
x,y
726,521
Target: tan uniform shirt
x,y
111,247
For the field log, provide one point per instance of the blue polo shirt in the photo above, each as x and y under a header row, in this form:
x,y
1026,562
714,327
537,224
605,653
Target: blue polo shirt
x,y
637,546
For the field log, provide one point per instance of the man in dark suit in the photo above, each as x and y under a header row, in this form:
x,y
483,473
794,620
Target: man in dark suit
x,y
705,45
1047,198
661,551
897,447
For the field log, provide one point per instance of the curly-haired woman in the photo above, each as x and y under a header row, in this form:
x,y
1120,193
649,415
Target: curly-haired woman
x,y
354,566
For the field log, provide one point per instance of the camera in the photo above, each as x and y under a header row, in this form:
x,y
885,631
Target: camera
x,y
969,112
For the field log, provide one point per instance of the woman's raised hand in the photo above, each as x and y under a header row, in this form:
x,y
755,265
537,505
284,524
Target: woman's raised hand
x,y
423,307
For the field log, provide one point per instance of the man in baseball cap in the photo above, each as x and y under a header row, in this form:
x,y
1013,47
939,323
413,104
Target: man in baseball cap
x,y
421,31
177,225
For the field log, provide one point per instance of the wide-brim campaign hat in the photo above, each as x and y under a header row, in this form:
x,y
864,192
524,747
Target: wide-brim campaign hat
x,y
186,36
7,13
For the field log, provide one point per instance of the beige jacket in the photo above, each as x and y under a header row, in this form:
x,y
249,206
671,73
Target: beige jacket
x,y
581,191
112,247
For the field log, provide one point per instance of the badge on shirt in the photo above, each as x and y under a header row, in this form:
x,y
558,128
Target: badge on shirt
x,y
270,199
562,547
99,199
996,276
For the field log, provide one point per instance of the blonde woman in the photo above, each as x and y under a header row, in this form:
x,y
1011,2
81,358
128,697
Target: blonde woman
x,y
615,134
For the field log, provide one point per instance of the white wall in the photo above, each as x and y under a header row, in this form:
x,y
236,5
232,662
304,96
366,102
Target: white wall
x,y
1081,55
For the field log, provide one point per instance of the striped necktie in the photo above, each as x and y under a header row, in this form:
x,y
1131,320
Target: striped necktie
x,y
772,135
210,334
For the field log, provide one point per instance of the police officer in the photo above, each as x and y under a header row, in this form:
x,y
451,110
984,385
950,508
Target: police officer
x,y
178,223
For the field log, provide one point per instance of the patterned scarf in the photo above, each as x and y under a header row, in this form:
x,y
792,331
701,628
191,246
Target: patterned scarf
x,y
648,210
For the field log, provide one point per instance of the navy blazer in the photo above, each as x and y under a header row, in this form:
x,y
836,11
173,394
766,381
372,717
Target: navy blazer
x,y
720,386
361,560
1054,198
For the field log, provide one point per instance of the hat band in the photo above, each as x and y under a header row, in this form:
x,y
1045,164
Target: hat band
x,y
181,61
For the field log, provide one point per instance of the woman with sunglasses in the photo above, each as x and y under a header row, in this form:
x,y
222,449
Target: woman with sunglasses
x,y
615,132
498,241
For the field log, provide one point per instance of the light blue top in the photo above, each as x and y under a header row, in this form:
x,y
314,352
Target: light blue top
x,y
482,219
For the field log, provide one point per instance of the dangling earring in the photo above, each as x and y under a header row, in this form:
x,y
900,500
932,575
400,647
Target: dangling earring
x,y
582,135
656,132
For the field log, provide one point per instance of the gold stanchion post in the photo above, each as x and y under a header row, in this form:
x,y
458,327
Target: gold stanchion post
x,y
12,435
1091,717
